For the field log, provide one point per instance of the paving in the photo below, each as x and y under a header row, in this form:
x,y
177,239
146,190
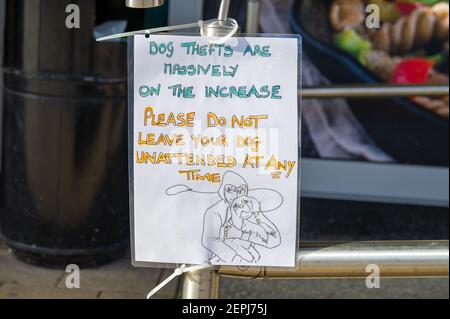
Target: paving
x,y
118,280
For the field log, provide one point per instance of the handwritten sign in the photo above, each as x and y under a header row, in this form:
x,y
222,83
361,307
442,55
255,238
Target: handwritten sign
x,y
215,151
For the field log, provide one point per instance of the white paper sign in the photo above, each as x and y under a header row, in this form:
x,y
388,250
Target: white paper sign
x,y
215,151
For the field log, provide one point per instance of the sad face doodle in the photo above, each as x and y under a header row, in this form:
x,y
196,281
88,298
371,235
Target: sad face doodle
x,y
233,192
243,207
247,210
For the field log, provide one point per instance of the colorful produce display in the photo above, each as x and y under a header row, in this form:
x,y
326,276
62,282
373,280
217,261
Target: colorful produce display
x,y
410,47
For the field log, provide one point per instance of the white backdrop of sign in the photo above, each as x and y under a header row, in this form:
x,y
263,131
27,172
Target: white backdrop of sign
x,y
215,151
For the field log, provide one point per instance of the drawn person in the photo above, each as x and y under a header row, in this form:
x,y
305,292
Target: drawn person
x,y
236,226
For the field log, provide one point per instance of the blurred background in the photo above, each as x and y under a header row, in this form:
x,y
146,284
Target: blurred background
x,y
373,168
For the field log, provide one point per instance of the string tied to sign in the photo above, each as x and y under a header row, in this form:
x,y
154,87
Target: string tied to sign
x,y
177,272
220,31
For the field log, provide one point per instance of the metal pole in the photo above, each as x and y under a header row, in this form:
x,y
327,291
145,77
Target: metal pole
x,y
253,13
141,4
374,91
395,260
202,284
2,35
223,10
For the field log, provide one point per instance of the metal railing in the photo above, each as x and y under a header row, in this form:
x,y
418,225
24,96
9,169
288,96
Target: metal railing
x,y
374,91
349,260
406,259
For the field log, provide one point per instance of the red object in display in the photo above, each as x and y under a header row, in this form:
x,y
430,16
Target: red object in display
x,y
407,8
412,71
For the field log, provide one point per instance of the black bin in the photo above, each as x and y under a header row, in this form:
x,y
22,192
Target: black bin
x,y
64,183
